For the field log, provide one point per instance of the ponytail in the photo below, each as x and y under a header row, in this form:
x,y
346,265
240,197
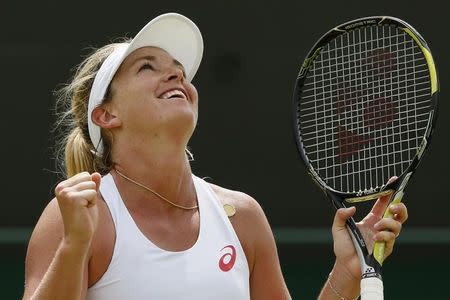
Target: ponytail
x,y
74,148
78,156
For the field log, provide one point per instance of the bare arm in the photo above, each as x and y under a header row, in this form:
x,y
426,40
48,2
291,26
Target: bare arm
x,y
344,280
58,251
266,279
50,259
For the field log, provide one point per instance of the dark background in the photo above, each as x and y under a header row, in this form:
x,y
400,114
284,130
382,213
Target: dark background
x,y
243,141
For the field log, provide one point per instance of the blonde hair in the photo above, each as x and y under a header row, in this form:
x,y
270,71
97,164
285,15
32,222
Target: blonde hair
x,y
74,148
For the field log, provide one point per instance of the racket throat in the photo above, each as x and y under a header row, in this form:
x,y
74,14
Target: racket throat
x,y
368,195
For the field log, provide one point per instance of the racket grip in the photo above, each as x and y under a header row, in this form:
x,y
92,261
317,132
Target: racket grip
x,y
371,289
378,248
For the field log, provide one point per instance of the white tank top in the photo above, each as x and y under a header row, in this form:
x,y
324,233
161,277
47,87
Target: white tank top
x,y
214,268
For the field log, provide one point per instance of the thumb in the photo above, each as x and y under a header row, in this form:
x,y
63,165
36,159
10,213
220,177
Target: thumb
x,y
341,216
96,177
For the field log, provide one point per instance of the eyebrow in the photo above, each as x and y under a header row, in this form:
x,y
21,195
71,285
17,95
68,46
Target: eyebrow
x,y
153,58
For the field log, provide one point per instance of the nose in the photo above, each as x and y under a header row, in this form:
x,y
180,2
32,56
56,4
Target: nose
x,y
174,73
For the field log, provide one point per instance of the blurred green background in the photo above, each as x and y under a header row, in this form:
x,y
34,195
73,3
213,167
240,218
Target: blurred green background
x,y
243,140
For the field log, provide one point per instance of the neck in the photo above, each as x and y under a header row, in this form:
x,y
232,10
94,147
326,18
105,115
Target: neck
x,y
168,173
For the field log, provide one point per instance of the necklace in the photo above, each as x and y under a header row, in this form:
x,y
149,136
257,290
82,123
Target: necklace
x,y
150,190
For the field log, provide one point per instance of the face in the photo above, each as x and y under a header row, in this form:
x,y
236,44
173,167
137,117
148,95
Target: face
x,y
152,97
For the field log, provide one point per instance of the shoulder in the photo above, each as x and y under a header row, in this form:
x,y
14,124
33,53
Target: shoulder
x,y
249,221
248,209
243,201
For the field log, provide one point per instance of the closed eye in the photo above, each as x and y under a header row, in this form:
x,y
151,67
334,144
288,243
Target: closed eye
x,y
146,66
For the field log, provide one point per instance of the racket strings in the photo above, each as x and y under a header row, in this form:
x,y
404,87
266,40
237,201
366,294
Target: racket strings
x,y
365,107
421,103
424,79
320,140
330,61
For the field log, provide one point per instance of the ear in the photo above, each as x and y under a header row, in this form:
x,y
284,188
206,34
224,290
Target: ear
x,y
104,118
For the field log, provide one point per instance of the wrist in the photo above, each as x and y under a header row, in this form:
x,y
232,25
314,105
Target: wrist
x,y
342,283
71,246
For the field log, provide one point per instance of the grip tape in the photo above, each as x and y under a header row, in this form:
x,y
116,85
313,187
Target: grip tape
x,y
379,247
372,289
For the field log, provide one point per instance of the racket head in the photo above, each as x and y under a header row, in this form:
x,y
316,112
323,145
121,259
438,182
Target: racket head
x,y
363,80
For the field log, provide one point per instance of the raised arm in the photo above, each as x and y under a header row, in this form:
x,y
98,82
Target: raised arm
x,y
344,280
59,248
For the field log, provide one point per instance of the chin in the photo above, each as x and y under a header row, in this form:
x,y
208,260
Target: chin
x,y
183,125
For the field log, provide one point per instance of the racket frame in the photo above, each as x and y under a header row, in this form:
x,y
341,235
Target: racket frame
x,y
370,262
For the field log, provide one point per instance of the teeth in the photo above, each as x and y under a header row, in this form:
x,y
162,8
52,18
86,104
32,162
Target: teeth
x,y
171,93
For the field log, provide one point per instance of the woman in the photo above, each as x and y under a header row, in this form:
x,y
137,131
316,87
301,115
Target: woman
x,y
132,221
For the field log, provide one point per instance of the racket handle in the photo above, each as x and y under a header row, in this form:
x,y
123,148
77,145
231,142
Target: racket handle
x,y
378,248
372,289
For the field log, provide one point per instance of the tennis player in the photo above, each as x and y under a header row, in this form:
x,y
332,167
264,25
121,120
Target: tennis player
x,y
131,221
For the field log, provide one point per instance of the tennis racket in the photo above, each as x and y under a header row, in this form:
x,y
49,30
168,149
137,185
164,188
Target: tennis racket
x,y
364,108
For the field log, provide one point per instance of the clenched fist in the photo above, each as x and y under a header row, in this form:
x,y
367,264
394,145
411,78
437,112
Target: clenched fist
x,y
77,198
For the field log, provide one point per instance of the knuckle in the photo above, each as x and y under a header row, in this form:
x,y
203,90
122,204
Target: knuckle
x,y
83,176
92,185
405,212
387,236
63,192
399,226
68,194
60,187
92,193
392,236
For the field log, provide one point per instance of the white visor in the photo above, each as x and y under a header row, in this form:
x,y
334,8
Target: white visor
x,y
172,32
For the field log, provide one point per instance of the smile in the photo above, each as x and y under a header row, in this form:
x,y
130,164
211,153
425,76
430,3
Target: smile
x,y
174,94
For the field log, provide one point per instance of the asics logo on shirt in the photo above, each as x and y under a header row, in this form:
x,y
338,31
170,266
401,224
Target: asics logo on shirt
x,y
226,262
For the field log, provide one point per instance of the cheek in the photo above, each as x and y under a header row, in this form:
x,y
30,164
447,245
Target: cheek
x,y
136,104
192,91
